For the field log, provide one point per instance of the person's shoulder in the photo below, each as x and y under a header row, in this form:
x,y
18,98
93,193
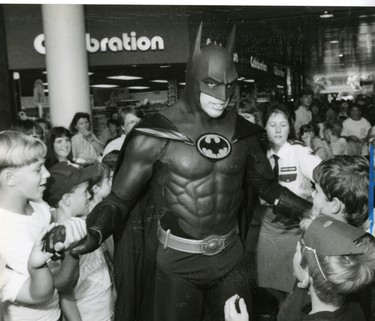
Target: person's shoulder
x,y
297,143
365,121
301,148
41,208
76,137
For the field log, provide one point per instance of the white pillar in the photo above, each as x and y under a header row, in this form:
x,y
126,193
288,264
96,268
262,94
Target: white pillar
x,y
66,60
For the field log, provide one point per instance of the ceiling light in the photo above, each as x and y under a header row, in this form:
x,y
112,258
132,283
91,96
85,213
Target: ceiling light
x,y
46,90
160,81
138,87
89,73
164,66
104,86
124,77
182,83
334,41
249,80
326,15
45,84
241,78
340,55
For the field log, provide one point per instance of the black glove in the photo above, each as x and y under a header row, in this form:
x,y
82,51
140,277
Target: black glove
x,y
101,223
290,208
56,235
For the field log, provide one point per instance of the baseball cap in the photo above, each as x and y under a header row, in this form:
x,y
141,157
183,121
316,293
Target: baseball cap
x,y
64,176
328,236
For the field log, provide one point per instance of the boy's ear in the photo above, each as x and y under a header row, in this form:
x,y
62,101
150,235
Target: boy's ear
x,y
7,177
336,205
96,189
305,283
66,199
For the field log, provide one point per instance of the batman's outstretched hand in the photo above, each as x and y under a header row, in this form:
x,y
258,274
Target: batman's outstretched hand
x,y
100,225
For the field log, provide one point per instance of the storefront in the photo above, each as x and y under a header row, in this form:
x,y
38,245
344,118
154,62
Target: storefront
x,y
151,43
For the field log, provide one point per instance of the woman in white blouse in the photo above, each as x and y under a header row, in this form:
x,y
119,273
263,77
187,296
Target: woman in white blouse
x,y
86,147
293,163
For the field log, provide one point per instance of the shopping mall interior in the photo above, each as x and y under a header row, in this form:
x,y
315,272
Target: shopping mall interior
x,y
279,51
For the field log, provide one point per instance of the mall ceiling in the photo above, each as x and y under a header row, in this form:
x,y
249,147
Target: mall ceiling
x,y
305,19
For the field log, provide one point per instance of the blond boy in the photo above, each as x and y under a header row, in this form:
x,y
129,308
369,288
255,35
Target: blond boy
x,y
27,287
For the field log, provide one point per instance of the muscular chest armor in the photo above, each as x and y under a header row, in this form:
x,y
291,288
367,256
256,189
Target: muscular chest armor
x,y
212,190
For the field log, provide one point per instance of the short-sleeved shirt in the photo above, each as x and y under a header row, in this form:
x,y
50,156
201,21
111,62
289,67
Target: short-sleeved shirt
x,y
296,165
357,128
18,233
94,292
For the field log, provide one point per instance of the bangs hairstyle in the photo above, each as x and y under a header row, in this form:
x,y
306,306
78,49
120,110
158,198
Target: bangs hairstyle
x,y
346,178
282,109
18,149
345,274
56,132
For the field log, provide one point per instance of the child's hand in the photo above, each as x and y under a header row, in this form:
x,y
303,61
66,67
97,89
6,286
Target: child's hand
x,y
61,237
38,257
230,310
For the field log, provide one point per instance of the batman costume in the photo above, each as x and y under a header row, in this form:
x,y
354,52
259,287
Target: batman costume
x,y
175,206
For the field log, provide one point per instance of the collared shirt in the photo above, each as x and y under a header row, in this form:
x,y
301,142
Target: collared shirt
x,y
115,144
296,165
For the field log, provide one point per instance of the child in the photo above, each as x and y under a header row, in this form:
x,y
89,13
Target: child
x,y
333,143
91,298
332,260
100,187
341,188
341,191
99,184
26,290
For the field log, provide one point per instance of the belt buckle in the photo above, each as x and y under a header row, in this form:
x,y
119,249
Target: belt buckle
x,y
213,245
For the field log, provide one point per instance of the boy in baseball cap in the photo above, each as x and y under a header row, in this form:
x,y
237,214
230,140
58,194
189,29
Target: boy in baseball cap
x,y
90,296
333,260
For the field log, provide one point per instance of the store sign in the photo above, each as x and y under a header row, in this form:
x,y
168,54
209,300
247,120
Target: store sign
x,y
279,71
126,42
256,64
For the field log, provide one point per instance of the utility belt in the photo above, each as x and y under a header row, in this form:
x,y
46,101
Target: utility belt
x,y
210,245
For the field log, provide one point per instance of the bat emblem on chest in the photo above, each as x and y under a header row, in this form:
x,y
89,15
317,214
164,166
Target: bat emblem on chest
x,y
213,146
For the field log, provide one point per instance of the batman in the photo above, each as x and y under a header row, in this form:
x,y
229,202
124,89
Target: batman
x,y
180,198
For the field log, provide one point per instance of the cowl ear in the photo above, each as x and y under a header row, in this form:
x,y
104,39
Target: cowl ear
x,y
197,43
231,40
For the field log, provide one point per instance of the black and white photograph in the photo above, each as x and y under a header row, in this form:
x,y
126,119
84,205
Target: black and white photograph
x,y
187,161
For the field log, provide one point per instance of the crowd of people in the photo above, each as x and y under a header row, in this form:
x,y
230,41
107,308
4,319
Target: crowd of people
x,y
197,190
